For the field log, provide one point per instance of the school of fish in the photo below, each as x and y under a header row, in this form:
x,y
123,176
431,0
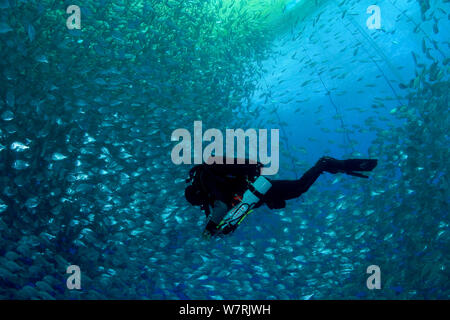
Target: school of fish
x,y
86,117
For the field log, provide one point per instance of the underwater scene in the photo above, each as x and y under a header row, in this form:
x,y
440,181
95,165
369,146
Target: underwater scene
x,y
91,93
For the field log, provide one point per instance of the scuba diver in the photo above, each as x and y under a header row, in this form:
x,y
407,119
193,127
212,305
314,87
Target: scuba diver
x,y
227,193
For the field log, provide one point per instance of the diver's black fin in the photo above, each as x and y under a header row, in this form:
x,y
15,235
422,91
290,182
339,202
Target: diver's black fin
x,y
348,166
356,174
359,164
351,165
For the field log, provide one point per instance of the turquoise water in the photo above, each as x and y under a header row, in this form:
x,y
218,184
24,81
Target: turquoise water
x,y
86,118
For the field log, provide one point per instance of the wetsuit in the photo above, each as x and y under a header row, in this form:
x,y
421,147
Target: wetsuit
x,y
221,183
223,189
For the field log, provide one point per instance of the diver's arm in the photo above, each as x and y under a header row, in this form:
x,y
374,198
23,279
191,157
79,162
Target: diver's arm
x,y
218,211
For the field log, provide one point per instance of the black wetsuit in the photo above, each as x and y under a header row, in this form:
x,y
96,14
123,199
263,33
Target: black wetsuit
x,y
222,183
225,188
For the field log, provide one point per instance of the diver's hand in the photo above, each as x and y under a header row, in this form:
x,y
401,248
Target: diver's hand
x,y
206,235
218,211
209,229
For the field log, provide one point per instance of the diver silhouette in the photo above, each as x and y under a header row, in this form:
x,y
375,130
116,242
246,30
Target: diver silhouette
x,y
228,192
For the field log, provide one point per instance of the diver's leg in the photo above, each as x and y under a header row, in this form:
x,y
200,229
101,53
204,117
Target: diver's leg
x,y
290,189
282,190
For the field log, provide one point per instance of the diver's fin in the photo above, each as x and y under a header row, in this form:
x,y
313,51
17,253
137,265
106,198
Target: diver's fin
x,y
359,164
356,174
348,166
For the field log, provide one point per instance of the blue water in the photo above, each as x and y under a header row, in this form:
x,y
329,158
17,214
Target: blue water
x,y
86,174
